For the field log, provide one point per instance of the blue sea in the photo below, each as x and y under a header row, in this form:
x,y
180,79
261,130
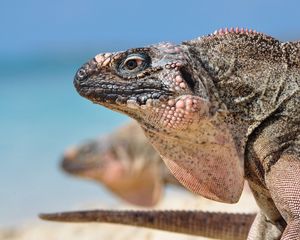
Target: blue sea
x,y
41,115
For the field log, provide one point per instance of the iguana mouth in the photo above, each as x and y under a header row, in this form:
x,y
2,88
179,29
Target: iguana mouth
x,y
77,168
92,83
121,92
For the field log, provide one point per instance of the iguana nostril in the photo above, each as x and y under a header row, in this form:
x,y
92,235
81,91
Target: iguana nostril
x,y
81,74
85,71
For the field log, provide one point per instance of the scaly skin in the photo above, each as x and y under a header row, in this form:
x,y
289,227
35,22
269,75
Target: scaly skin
x,y
125,162
205,224
219,109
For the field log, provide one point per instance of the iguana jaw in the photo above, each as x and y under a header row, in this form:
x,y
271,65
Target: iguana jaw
x,y
86,165
162,88
121,93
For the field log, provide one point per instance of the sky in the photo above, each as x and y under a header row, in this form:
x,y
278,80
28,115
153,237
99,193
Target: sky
x,y
65,26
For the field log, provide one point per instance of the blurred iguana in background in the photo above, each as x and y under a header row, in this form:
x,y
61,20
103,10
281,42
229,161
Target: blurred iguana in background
x,y
124,162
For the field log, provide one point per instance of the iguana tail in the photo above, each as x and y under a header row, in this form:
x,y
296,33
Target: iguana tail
x,y
206,224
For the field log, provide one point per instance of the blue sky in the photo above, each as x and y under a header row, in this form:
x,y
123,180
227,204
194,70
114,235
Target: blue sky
x,y
39,26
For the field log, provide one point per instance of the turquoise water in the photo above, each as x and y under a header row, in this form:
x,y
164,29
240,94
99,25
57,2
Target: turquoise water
x,y
40,115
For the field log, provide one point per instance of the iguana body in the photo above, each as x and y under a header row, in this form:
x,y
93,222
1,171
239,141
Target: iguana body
x,y
125,162
218,109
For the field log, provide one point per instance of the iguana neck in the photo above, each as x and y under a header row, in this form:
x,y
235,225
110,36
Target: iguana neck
x,y
247,71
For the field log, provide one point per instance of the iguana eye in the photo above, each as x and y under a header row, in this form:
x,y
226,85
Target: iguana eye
x,y
133,62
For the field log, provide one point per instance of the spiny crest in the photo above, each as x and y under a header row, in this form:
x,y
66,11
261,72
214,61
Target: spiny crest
x,y
237,30
230,42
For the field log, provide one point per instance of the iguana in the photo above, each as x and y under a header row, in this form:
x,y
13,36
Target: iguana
x,y
125,162
219,109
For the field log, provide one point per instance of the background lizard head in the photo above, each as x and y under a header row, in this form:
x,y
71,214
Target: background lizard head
x,y
127,166
161,88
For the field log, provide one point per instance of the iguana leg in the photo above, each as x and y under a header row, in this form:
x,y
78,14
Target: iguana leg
x,y
283,181
262,229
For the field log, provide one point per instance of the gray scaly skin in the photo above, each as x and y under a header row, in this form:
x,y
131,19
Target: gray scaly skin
x,y
125,162
219,109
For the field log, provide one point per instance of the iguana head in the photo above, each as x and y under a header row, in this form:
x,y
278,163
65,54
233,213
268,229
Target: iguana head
x,y
154,85
93,160
164,91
